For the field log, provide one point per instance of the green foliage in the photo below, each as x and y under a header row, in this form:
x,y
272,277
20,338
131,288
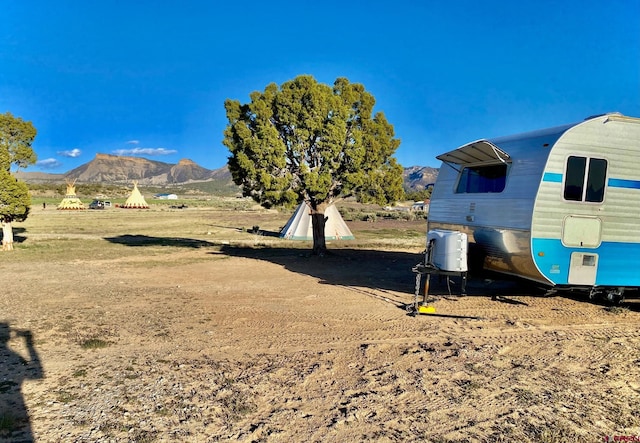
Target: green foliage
x,y
88,190
94,343
15,200
421,195
351,214
213,187
7,422
308,141
16,138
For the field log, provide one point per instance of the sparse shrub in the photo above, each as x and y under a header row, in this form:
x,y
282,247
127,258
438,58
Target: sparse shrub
x,y
617,310
66,397
366,216
236,406
94,343
79,373
7,423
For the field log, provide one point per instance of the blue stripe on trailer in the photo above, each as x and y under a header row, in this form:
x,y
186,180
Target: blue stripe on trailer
x,y
618,263
621,183
552,177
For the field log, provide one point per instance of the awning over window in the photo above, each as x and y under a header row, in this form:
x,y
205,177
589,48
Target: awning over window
x,y
478,152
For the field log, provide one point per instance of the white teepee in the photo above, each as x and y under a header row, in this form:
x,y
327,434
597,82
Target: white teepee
x,y
299,225
135,200
71,200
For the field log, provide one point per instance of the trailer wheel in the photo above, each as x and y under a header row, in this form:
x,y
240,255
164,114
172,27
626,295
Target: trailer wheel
x,y
611,295
616,295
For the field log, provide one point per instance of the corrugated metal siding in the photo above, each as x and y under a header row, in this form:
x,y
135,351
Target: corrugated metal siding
x,y
528,203
619,143
511,208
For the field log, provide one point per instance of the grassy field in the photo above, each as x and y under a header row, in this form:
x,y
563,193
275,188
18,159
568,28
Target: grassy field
x,y
203,224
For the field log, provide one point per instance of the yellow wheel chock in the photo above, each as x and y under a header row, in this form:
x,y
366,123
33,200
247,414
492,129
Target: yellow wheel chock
x,y
426,309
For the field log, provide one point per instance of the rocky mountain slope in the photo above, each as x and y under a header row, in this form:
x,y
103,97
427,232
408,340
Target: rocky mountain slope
x,y
105,168
113,169
416,178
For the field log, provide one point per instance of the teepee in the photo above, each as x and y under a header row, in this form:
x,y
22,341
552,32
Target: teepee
x,y
135,200
299,225
71,200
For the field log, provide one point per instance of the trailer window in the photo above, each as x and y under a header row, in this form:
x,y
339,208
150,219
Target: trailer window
x,y
585,179
482,179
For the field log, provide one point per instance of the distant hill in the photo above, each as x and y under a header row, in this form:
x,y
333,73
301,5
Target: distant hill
x,y
39,177
105,168
113,169
416,178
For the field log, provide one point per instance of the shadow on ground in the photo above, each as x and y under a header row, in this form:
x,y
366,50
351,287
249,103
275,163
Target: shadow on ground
x,y
145,240
387,270
15,423
18,235
367,268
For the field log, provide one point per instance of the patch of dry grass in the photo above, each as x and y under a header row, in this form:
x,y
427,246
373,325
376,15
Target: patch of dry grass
x,y
67,236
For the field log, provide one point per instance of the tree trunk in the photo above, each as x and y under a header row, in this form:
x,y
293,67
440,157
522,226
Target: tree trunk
x,y
318,221
7,236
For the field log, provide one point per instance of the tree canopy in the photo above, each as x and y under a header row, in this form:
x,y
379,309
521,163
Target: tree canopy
x,y
16,138
15,200
307,141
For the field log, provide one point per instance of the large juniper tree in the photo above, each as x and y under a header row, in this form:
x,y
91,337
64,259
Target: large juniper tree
x,y
307,141
16,138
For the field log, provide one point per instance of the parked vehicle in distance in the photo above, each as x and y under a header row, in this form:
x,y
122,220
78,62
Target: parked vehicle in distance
x,y
99,204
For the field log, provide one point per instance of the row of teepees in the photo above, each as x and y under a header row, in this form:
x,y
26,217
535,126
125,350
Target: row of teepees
x,y
72,202
299,226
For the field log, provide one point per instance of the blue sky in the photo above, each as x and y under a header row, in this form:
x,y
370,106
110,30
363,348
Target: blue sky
x,y
149,78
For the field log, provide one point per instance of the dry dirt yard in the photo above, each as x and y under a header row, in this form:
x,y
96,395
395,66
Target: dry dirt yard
x,y
161,326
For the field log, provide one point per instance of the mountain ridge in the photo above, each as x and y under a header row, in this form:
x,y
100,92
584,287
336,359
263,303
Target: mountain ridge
x,y
115,169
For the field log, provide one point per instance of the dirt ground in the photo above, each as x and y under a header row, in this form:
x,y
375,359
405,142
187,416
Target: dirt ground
x,y
222,342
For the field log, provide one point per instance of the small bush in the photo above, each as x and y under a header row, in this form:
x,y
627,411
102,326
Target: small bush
x,y
66,397
7,423
80,373
94,343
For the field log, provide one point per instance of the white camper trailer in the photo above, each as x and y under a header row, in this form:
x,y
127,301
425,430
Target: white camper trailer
x,y
560,206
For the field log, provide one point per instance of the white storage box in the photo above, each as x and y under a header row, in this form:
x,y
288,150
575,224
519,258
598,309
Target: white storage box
x,y
449,249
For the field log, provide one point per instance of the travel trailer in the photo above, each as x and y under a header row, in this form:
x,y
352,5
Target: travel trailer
x,y
559,206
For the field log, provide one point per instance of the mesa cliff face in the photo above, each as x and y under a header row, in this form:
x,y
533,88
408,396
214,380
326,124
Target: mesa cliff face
x,y
114,169
187,170
105,168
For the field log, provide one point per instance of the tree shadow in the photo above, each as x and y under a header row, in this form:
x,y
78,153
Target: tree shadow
x,y
374,269
144,240
253,230
348,267
15,424
368,268
17,234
